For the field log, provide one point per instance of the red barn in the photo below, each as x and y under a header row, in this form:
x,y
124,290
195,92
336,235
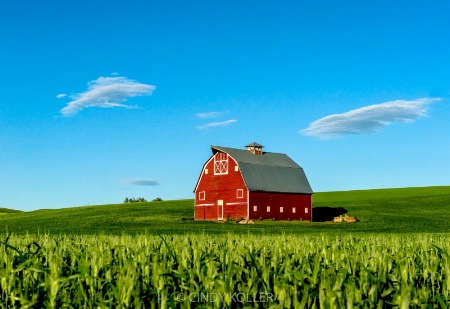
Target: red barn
x,y
252,184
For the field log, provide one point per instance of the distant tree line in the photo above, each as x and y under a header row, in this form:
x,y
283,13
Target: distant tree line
x,y
134,200
140,199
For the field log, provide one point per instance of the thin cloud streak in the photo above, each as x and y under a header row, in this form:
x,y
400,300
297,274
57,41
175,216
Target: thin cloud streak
x,y
208,115
61,95
216,124
142,182
368,119
106,92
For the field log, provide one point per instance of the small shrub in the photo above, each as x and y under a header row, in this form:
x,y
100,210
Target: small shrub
x,y
134,200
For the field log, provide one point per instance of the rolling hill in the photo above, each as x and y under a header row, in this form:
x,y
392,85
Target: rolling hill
x,y
404,210
6,211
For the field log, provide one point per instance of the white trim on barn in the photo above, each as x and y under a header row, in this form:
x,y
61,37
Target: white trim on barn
x,y
221,165
203,172
237,203
201,195
240,193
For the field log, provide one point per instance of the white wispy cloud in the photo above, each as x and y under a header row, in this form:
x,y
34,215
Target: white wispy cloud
x,y
209,115
106,92
216,124
368,119
142,182
61,95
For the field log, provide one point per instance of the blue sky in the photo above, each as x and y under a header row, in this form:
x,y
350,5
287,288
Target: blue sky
x,y
102,100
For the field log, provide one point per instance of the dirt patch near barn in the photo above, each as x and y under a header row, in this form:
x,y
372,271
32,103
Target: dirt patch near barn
x,y
236,221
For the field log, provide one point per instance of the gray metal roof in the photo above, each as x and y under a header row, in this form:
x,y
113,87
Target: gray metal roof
x,y
270,172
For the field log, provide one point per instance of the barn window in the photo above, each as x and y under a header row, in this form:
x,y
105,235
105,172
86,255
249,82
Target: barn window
x,y
240,193
306,210
206,171
236,168
268,208
201,195
255,208
293,210
220,163
281,209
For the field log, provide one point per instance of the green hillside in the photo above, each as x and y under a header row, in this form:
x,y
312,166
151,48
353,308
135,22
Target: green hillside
x,y
404,210
6,211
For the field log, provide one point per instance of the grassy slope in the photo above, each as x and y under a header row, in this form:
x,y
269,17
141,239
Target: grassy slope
x,y
388,210
6,211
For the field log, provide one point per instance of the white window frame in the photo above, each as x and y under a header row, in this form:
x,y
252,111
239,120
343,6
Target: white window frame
x,y
206,171
268,209
201,196
255,208
306,210
220,163
281,209
240,193
293,210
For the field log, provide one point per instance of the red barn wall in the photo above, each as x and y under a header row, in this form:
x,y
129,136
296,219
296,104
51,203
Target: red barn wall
x,y
211,189
302,203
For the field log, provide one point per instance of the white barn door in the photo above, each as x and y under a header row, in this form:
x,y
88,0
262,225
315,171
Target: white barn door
x,y
219,209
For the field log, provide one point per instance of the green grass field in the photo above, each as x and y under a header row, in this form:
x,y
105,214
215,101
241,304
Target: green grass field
x,y
6,211
153,255
405,210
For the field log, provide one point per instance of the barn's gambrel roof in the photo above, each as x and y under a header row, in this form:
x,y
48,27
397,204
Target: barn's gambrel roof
x,y
269,172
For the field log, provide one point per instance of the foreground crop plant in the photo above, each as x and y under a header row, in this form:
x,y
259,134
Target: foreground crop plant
x,y
287,271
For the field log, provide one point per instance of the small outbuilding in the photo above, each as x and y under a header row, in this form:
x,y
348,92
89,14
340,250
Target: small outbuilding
x,y
252,184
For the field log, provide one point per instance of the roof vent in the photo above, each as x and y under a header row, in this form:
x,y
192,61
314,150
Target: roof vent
x,y
254,148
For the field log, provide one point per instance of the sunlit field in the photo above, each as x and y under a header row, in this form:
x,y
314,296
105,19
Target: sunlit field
x,y
322,271
406,210
154,255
